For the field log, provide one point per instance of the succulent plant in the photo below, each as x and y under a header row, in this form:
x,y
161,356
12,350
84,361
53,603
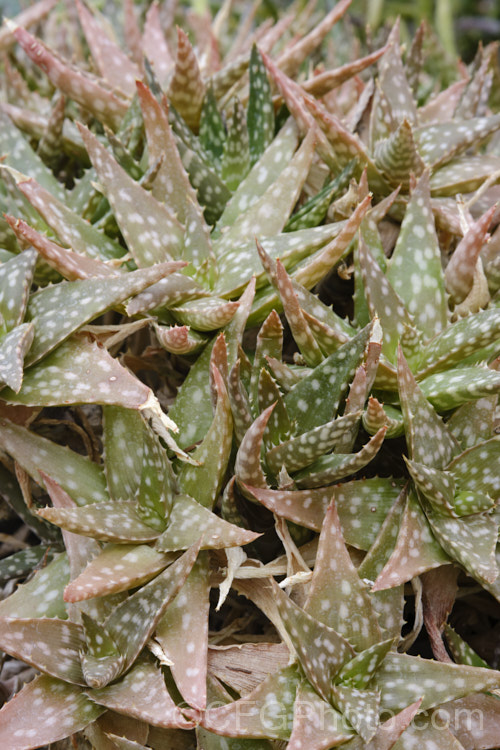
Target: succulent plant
x,y
249,339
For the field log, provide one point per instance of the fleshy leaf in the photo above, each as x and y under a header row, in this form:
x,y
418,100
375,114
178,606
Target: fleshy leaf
x,y
236,156
260,116
212,132
108,521
190,521
142,693
247,468
81,301
436,485
360,706
397,156
113,64
186,88
429,441
16,276
83,479
155,45
472,468
337,597
315,399
417,260
359,671
42,595
117,568
299,327
336,466
152,232
107,107
13,349
133,621
321,651
206,314
265,712
316,724
101,661
62,710
188,613
459,272
301,451
436,681
205,481
446,390
456,135
20,564
79,371
51,645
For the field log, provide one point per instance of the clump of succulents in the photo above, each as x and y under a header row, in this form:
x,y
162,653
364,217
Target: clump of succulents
x,y
249,340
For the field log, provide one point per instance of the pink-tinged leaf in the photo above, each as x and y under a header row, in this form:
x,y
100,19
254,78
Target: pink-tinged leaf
x,y
464,174
315,399
50,645
108,521
265,712
457,135
79,372
247,468
320,650
393,81
188,614
155,45
132,33
302,450
336,466
189,521
113,64
280,426
254,662
151,231
299,327
117,568
397,156
316,724
415,270
442,106
80,551
61,309
388,732
360,706
80,477
471,540
62,710
101,660
206,314
291,59
32,15
383,301
416,551
472,469
427,731
42,595
403,679
438,598
204,482
269,214
460,340
179,339
71,265
429,441
377,416
186,89
132,622
72,230
473,720
320,84
269,344
475,97
142,693
337,597
171,290
171,184
85,90
241,409
13,349
16,276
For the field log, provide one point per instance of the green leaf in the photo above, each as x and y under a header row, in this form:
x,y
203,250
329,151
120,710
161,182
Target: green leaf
x,y
22,563
315,399
42,595
472,468
204,482
13,349
457,135
397,156
415,271
316,722
446,390
190,521
212,133
16,276
360,706
260,115
236,155
80,477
